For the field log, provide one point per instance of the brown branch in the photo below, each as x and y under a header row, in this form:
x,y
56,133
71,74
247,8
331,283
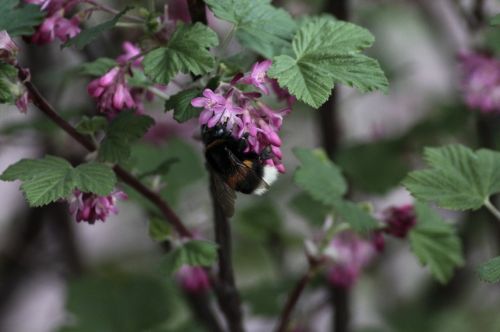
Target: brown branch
x,y
48,110
294,296
227,294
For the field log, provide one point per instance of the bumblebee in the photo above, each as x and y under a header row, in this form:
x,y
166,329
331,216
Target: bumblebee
x,y
233,168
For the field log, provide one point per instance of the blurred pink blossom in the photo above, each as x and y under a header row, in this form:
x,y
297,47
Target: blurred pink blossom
x,y
350,254
193,279
481,81
130,51
89,207
8,49
399,220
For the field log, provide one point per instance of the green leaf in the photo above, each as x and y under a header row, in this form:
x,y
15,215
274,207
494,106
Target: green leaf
x,y
310,209
458,178
159,230
89,35
192,253
51,178
125,129
490,271
495,20
44,180
259,26
117,303
186,51
355,215
181,104
261,222
319,176
95,177
8,76
91,125
162,169
435,243
19,19
327,51
98,67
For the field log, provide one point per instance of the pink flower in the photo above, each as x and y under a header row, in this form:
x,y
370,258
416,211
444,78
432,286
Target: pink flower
x,y
258,76
55,24
130,50
89,207
111,92
481,82
350,254
8,49
193,279
399,220
22,102
66,29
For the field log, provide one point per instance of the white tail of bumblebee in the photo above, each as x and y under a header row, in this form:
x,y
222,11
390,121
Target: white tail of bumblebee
x,y
270,175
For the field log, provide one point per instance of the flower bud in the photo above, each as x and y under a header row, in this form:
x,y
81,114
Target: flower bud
x,y
400,220
8,49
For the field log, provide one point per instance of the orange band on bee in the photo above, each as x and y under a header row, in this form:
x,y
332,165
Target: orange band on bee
x,y
248,163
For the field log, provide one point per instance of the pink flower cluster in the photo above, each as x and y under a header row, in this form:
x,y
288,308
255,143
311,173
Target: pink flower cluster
x,y
89,207
112,92
244,115
193,279
56,24
481,81
399,220
351,254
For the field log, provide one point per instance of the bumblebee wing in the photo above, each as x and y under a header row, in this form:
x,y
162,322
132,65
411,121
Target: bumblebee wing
x,y
222,192
243,171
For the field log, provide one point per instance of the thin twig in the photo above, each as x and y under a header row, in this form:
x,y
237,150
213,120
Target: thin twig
x,y
113,11
46,108
227,294
294,296
492,209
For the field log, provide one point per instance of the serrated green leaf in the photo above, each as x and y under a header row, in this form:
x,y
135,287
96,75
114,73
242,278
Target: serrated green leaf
x,y
435,243
8,76
192,253
259,26
51,178
357,217
327,51
458,178
319,176
19,19
186,51
125,129
159,230
490,271
89,35
98,67
96,178
181,104
91,125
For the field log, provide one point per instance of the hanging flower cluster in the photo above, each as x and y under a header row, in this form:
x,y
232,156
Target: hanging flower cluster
x,y
89,207
112,91
244,114
399,220
480,82
350,253
57,23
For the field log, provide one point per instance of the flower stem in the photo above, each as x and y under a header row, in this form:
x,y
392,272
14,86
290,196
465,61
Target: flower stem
x,y
113,11
492,209
46,108
294,296
158,92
